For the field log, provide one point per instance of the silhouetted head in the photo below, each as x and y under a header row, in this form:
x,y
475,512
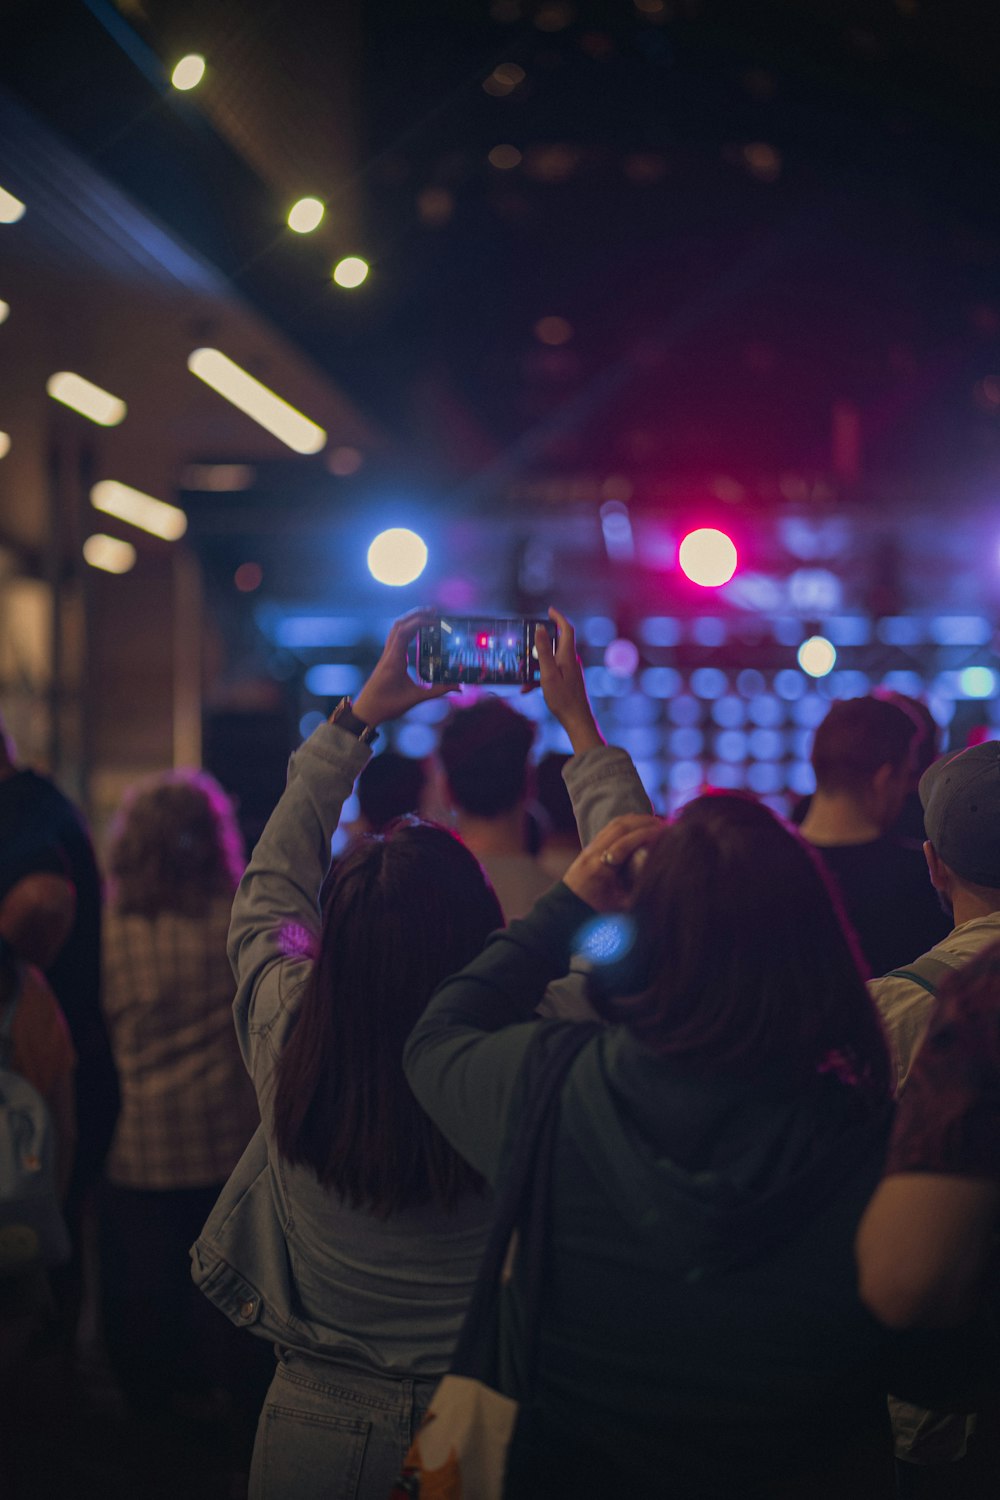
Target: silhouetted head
x,y
484,750
864,748
402,911
175,844
389,787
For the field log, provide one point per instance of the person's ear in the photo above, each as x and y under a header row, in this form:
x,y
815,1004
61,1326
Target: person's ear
x,y
937,868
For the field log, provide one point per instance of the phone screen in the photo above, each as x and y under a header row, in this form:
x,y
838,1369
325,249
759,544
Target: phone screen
x,y
478,649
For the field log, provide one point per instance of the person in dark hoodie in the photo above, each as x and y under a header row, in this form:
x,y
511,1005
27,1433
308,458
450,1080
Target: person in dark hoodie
x,y
717,1140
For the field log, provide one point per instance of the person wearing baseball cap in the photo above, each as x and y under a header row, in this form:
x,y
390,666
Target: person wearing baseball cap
x,y
960,796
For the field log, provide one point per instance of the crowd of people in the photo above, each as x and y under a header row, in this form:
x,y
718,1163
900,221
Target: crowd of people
x,y
766,1211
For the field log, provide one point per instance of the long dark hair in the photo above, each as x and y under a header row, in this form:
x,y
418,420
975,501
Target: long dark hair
x,y
748,966
402,910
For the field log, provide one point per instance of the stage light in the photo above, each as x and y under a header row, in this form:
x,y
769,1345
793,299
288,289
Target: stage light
x,y
310,721
188,73
351,271
504,158
155,516
977,682
306,215
248,576
4,444
86,398
553,331
708,682
660,682
108,553
708,557
256,401
816,656
396,557
622,658
11,208
333,679
4,311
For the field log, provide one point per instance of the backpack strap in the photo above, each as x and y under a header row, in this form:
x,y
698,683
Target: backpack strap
x,y
928,972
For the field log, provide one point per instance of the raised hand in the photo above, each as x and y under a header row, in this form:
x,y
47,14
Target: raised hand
x,y
601,873
390,690
563,685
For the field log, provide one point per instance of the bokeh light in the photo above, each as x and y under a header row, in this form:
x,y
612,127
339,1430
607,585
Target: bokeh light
x,y
11,208
4,444
248,576
397,556
351,271
189,72
306,215
708,557
504,157
108,553
345,460
622,657
978,682
817,656
553,331
4,310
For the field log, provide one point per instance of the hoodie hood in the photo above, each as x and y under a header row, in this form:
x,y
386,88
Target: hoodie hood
x,y
718,1170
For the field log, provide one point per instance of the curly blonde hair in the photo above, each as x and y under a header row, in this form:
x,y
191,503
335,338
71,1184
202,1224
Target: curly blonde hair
x,y
175,843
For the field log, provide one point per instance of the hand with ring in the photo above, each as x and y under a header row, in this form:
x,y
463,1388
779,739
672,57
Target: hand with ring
x,y
596,873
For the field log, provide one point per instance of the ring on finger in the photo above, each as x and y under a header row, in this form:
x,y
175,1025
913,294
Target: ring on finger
x,y
607,858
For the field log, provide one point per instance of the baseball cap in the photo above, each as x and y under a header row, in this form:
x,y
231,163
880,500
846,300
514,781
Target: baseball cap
x,y
960,795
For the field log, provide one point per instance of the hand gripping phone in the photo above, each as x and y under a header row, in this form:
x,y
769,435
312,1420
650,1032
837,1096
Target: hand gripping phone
x,y
479,650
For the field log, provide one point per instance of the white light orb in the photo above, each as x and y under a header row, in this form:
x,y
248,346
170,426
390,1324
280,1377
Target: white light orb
x,y
708,557
396,557
189,72
817,656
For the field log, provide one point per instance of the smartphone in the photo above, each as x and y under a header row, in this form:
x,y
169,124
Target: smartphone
x,y
478,650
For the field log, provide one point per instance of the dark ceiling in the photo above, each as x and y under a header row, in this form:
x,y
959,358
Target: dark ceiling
x,y
771,231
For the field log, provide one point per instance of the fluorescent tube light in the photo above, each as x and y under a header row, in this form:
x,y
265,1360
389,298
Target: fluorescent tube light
x,y
108,553
256,401
11,208
130,505
86,398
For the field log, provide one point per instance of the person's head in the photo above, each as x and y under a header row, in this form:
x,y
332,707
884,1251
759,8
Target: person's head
x,y
402,910
927,740
863,750
484,750
390,786
747,967
960,795
175,844
37,916
550,790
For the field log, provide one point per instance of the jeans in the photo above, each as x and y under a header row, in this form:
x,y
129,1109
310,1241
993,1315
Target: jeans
x,y
328,1432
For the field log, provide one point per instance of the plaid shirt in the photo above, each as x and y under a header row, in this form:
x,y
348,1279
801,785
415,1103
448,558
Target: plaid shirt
x,y
188,1107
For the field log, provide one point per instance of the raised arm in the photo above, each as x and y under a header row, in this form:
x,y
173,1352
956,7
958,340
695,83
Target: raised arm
x,y
275,925
601,779
464,1058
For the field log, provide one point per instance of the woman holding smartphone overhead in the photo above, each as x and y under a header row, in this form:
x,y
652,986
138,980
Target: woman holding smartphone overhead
x,y
351,1233
700,1334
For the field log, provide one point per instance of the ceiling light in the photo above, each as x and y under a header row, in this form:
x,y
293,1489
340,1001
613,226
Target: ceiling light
x,y
4,311
86,398
108,553
351,271
306,215
189,72
256,400
11,208
114,499
4,444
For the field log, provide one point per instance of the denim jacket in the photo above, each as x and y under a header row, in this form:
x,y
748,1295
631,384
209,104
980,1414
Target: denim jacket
x,y
279,1254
